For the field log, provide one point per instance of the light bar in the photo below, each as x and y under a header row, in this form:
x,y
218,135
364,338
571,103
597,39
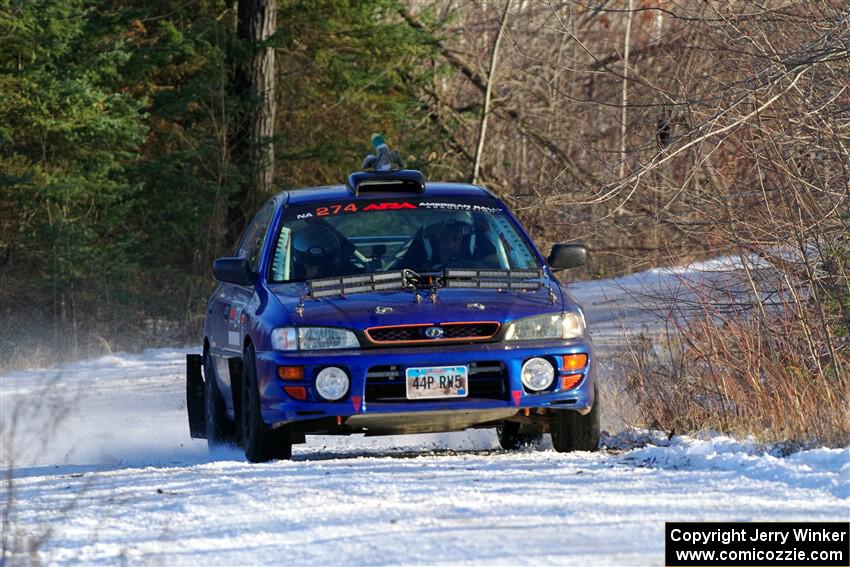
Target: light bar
x,y
329,287
357,289
524,285
506,274
525,273
325,287
461,273
382,276
493,279
326,293
493,273
323,284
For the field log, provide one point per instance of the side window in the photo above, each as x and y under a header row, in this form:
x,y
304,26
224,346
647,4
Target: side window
x,y
252,241
512,248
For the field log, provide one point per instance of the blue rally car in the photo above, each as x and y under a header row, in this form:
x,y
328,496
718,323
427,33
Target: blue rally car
x,y
390,306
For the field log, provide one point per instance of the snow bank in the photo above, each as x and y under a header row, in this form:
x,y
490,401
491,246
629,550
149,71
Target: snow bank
x,y
818,469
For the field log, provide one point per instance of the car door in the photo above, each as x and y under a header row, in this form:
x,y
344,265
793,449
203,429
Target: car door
x,y
225,310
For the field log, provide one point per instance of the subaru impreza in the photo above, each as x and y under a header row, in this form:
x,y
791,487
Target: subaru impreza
x,y
390,305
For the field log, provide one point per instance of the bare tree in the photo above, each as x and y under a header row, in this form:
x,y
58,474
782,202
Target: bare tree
x,y
491,75
720,129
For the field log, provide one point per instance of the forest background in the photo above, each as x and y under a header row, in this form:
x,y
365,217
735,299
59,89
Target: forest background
x,y
137,137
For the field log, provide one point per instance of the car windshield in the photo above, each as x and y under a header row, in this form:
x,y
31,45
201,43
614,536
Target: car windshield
x,y
426,235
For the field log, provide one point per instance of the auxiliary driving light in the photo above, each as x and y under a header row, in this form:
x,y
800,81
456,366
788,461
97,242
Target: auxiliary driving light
x,y
332,383
537,374
290,372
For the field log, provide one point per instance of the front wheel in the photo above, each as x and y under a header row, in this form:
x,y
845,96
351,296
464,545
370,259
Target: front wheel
x,y
510,437
260,443
575,432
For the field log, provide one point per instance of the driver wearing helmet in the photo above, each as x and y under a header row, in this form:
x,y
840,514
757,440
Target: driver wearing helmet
x,y
451,245
316,252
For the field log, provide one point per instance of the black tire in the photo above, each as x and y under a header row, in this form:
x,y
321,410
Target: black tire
x,y
510,437
575,432
219,429
261,444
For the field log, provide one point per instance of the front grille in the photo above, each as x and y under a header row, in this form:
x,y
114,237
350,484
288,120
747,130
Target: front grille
x,y
487,380
478,331
394,334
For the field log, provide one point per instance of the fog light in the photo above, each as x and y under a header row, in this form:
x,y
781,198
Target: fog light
x,y
570,381
332,383
537,374
296,392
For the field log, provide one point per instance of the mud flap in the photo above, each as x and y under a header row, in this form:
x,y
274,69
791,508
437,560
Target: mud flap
x,y
234,366
195,396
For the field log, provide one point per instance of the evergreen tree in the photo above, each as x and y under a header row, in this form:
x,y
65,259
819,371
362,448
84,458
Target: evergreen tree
x,y
117,156
67,139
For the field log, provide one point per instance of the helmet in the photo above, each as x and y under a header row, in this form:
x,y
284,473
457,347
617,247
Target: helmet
x,y
450,243
451,228
457,226
316,245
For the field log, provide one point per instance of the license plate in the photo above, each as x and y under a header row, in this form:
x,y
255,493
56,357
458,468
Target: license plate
x,y
437,382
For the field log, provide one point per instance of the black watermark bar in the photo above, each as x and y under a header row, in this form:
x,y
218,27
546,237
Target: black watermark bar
x,y
762,544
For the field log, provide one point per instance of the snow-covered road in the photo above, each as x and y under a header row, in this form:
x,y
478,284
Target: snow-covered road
x,y
106,464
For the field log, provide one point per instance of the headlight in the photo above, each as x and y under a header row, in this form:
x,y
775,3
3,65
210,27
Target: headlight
x,y
312,338
554,326
537,374
332,383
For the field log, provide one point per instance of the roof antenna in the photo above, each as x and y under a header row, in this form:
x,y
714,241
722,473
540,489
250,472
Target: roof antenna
x,y
384,159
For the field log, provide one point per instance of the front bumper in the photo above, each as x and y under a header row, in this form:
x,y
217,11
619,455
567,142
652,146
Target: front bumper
x,y
279,408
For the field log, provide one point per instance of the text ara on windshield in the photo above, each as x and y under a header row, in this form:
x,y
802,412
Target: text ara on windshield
x,y
339,208
389,305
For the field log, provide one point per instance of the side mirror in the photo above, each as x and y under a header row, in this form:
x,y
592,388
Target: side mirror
x,y
564,256
233,270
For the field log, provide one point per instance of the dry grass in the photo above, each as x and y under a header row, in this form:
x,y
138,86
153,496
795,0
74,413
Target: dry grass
x,y
27,431
744,375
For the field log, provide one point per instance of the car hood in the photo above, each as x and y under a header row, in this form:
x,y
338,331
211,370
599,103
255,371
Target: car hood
x,y
364,310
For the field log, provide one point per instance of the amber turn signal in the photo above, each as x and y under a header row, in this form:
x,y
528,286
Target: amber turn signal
x,y
296,392
573,362
570,381
290,372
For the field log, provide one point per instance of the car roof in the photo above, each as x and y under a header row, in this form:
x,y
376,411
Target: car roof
x,y
305,195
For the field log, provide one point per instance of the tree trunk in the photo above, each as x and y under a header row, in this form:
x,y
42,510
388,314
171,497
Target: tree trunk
x,y
491,74
627,43
254,85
